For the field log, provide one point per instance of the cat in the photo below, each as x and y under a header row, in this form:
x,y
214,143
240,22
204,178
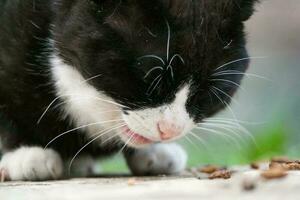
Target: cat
x,y
97,77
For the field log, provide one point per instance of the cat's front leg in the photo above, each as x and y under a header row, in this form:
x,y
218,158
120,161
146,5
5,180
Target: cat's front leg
x,y
31,164
158,159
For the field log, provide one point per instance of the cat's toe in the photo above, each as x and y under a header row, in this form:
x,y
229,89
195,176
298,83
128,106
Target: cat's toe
x,y
4,176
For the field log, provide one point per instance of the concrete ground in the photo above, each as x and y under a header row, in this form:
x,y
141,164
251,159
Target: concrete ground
x,y
245,184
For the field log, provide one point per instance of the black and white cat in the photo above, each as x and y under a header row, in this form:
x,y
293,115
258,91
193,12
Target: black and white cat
x,y
102,76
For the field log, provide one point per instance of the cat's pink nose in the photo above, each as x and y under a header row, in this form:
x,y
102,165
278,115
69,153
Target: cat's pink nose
x,y
168,130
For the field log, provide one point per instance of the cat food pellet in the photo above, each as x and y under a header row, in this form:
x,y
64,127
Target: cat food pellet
x,y
282,160
274,173
293,166
209,169
132,182
254,166
285,166
221,174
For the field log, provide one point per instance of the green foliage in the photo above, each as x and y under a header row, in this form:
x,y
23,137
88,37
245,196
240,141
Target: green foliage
x,y
268,142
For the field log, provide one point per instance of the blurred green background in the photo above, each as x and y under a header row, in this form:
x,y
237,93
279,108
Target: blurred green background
x,y
270,108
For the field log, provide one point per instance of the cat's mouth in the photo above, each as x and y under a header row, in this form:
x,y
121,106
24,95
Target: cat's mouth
x,y
133,138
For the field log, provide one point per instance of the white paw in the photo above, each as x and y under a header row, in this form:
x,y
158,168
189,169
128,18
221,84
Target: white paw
x,y
158,159
32,164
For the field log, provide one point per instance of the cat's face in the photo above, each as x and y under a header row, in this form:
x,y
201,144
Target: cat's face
x,y
165,65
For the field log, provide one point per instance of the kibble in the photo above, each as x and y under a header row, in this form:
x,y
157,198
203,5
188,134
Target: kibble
x,y
274,173
209,169
221,174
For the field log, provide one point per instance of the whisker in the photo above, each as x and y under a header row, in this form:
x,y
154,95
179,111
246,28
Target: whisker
x,y
178,56
153,82
70,95
235,72
153,56
200,139
91,78
81,127
169,39
220,133
192,143
152,70
224,127
91,141
239,60
226,104
227,81
126,143
238,126
227,95
238,121
82,98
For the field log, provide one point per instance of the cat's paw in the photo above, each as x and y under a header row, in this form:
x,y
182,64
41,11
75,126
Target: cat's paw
x,y
31,164
84,166
159,159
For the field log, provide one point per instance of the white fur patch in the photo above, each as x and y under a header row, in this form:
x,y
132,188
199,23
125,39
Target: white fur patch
x,y
158,159
32,163
145,121
84,103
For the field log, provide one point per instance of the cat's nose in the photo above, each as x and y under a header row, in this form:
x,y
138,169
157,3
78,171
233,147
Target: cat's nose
x,y
169,130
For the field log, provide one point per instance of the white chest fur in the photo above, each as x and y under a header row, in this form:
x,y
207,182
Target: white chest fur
x,y
85,105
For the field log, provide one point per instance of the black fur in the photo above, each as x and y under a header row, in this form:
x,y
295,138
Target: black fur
x,y
108,37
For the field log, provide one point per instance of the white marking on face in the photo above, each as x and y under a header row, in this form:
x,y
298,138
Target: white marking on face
x,y
173,116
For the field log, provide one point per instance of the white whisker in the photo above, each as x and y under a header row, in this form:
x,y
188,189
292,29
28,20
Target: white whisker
x,y
220,133
224,127
153,82
169,39
153,56
70,95
228,81
200,139
152,70
126,143
178,56
91,141
238,121
235,72
91,78
172,71
81,127
237,125
156,85
227,95
239,60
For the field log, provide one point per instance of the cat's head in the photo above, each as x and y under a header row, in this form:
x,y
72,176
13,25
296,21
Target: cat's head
x,y
159,66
